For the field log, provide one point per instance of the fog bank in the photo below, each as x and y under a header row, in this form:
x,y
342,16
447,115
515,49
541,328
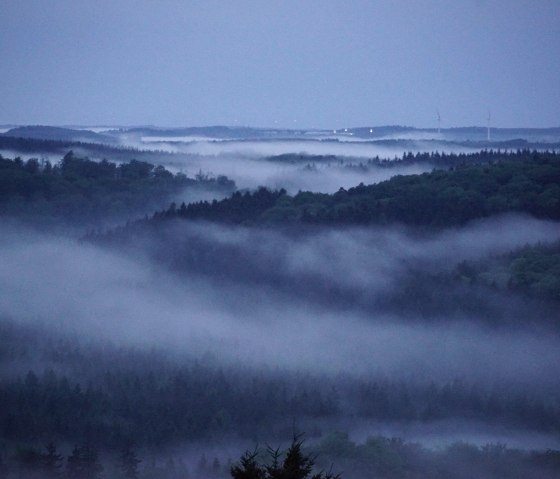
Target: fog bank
x,y
128,298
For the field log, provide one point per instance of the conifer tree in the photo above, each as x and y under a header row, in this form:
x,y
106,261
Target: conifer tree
x,y
52,462
128,463
84,463
296,465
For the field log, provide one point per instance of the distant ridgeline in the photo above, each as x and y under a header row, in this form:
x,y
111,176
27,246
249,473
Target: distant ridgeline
x,y
522,182
41,146
80,190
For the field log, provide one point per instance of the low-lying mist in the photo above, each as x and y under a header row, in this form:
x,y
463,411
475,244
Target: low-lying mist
x,y
250,173
330,165
138,297
264,148
197,338
252,163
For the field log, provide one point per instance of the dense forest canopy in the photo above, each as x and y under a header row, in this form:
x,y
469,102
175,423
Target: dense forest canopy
x,y
106,401
327,294
86,192
523,182
532,270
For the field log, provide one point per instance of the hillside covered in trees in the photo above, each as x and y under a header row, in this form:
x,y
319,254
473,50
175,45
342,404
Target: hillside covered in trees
x,y
522,182
82,192
112,408
425,304
518,183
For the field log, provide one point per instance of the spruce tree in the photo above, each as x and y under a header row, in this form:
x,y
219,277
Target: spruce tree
x,y
128,463
51,462
296,465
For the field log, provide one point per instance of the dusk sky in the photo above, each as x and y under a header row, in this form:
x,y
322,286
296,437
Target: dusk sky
x,y
290,63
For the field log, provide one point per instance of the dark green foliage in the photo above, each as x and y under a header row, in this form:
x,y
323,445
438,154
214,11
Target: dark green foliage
x,y
114,397
523,182
248,467
377,456
537,271
446,198
140,397
84,463
532,270
294,465
239,208
119,395
84,192
394,458
186,404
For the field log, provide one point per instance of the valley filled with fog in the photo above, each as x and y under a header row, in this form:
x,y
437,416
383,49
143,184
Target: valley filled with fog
x,y
279,240
194,336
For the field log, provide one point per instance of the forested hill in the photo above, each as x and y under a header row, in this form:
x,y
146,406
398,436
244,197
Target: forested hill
x,y
85,192
521,182
81,146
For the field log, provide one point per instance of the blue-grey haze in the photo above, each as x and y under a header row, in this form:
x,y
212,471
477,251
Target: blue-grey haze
x,y
311,63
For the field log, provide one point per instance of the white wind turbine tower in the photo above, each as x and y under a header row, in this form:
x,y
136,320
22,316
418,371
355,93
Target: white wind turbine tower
x,y
488,130
438,123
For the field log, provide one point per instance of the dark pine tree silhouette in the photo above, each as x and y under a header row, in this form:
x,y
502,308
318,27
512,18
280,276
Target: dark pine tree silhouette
x,y
84,463
295,465
51,462
128,463
248,467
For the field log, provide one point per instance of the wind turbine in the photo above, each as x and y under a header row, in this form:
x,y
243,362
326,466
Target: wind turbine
x,y
488,131
438,123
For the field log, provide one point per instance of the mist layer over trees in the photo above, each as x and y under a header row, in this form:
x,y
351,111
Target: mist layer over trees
x,y
409,327
81,192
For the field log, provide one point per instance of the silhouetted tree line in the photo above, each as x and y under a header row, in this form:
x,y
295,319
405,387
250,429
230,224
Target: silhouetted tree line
x,y
121,396
62,147
101,402
84,462
433,158
291,464
445,160
185,405
377,456
81,190
238,208
394,458
522,182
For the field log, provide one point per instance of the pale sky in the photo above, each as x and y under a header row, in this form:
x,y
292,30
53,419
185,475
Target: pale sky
x,y
284,63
